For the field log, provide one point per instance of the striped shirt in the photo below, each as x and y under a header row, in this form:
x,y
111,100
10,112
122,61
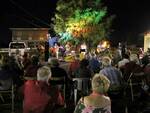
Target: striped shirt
x,y
113,74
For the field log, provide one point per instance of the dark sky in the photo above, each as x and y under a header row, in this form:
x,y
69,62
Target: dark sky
x,y
132,16
24,13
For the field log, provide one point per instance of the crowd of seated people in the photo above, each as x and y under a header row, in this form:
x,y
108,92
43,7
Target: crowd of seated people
x,y
117,75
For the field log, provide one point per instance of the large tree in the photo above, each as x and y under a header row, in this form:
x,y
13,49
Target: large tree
x,y
82,20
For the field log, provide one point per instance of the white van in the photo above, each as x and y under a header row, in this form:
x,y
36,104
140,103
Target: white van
x,y
17,48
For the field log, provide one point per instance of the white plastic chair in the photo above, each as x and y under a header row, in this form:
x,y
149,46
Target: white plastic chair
x,y
81,84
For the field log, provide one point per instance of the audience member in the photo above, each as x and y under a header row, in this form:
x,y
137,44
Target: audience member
x,y
56,70
83,71
112,73
26,60
59,75
94,64
116,89
96,102
16,71
6,79
74,65
123,61
131,67
39,95
31,70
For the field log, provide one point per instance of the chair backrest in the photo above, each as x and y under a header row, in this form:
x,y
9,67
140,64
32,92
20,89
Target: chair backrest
x,y
137,78
57,80
136,81
29,78
82,84
61,83
4,94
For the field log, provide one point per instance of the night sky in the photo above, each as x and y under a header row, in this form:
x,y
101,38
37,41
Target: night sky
x,y
132,17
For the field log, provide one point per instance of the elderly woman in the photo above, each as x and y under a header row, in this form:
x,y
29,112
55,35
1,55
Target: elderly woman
x,y
39,95
96,102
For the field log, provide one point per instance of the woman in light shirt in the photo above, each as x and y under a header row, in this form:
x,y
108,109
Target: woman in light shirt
x,y
97,101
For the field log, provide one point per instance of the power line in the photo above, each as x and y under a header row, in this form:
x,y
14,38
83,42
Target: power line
x,y
26,20
28,13
30,22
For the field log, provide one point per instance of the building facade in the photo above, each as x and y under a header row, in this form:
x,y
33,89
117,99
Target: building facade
x,y
146,41
31,36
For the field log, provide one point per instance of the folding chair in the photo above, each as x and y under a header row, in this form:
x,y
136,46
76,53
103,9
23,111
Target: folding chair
x,y
61,83
136,81
29,78
81,84
5,94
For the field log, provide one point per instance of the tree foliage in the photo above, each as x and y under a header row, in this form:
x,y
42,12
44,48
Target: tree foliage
x,y
82,20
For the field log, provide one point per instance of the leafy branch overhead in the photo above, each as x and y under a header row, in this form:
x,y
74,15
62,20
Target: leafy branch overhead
x,y
82,20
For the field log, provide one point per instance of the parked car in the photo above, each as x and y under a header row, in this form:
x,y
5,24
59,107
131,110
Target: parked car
x,y
17,48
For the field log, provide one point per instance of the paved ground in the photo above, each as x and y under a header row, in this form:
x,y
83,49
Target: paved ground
x,y
134,107
7,109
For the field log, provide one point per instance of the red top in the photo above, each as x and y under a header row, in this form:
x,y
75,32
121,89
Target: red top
x,y
74,66
38,95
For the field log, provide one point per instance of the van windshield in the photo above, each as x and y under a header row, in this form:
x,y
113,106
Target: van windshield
x,y
17,45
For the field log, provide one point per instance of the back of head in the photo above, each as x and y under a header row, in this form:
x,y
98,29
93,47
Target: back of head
x,y
34,59
77,57
53,62
126,56
5,61
134,58
84,63
106,61
93,55
26,55
100,83
43,73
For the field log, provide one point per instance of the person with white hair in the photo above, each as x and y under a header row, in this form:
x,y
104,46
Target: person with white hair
x,y
43,74
39,95
134,58
116,84
123,61
97,101
112,73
